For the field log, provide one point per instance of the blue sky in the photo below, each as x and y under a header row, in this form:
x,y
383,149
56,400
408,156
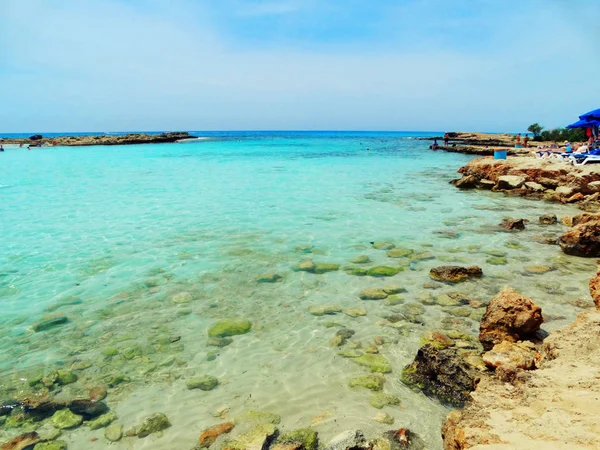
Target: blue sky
x,y
110,65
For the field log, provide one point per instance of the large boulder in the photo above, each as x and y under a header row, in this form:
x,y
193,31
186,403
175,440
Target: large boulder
x,y
509,317
442,372
454,274
508,182
582,240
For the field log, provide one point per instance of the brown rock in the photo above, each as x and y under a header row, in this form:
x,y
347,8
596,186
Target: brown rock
x,y
512,224
97,393
21,442
466,182
509,317
548,219
510,357
454,274
210,435
595,290
486,184
548,182
575,198
582,240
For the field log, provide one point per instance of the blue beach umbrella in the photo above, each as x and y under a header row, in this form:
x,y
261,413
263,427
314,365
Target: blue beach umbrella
x,y
592,115
584,123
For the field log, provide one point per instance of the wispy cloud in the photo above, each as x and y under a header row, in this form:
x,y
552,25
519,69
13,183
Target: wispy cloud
x,y
116,64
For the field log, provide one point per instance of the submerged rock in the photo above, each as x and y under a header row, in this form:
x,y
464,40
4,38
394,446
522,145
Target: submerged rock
x,y
153,424
372,294
509,317
102,421
113,432
256,439
383,245
49,321
371,382
385,418
210,435
22,442
399,252
64,419
305,266
307,438
322,310
356,271
384,271
376,363
270,277
230,327
65,377
349,440
326,267
360,259
355,312
381,400
52,445
182,297
205,383
455,274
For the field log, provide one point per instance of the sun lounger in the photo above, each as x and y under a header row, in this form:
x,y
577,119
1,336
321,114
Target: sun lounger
x,y
582,159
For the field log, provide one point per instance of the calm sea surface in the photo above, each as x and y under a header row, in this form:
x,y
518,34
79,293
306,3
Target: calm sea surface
x,y
144,247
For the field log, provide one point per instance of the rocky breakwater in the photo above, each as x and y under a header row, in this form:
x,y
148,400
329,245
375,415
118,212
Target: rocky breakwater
x,y
535,178
536,393
477,143
126,139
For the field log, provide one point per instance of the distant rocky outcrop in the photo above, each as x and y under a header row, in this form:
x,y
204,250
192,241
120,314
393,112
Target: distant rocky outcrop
x,y
126,139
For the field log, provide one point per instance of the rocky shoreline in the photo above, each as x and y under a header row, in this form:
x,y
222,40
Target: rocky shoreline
x,y
482,144
535,179
86,141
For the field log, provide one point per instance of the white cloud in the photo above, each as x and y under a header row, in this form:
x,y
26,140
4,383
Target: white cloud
x,y
111,66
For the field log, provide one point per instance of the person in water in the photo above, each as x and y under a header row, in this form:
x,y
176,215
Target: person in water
x,y
1,148
435,145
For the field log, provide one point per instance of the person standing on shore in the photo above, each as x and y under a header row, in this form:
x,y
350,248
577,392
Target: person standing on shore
x,y
519,139
446,139
526,141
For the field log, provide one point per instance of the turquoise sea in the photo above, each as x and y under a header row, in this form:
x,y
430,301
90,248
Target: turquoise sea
x,y
143,248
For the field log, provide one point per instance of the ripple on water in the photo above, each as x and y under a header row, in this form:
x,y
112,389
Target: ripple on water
x,y
144,253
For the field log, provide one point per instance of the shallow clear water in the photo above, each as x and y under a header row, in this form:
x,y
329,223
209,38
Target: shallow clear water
x,y
108,235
